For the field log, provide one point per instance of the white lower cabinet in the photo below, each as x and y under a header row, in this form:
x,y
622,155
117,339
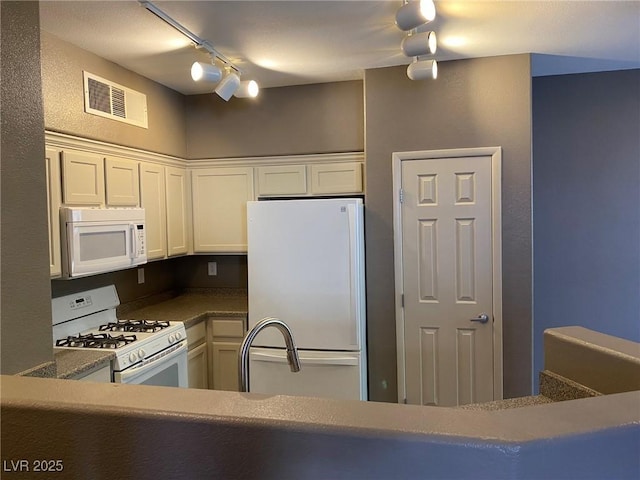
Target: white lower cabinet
x,y
225,336
197,365
197,356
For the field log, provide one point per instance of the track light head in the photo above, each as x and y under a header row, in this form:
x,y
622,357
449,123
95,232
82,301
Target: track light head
x,y
420,44
205,72
423,69
247,89
415,13
228,86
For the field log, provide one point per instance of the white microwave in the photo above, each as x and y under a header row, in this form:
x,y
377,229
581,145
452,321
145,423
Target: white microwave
x,y
98,240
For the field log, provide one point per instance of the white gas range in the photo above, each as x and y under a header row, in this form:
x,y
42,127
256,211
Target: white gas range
x,y
146,351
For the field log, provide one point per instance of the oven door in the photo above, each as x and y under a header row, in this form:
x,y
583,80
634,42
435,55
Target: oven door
x,y
162,370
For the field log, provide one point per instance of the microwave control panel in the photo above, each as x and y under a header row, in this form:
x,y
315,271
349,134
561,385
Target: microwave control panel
x,y
140,237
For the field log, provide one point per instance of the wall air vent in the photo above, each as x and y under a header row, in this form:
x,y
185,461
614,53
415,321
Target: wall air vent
x,y
108,99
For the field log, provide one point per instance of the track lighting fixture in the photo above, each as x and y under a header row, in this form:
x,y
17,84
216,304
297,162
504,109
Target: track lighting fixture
x,y
205,72
228,86
422,69
424,43
247,89
415,13
410,16
209,72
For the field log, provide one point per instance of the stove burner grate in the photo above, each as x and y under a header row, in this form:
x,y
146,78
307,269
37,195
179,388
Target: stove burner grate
x,y
96,340
134,326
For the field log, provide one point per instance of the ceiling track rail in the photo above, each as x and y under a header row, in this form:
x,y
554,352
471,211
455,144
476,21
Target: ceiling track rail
x,y
197,41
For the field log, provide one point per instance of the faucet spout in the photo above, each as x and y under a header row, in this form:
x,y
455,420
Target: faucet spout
x,y
292,352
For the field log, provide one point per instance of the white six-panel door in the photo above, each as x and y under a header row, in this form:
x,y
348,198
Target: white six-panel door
x,y
446,280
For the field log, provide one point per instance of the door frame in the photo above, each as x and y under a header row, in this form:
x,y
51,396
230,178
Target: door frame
x,y
496,245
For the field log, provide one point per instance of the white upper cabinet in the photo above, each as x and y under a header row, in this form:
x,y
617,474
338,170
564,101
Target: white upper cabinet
x,y
122,185
177,213
336,178
276,180
54,199
82,178
153,200
220,198
313,178
190,207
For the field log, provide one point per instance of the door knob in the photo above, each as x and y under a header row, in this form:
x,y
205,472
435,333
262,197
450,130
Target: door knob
x,y
482,318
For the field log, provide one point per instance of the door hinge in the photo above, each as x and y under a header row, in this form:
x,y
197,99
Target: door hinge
x,y
401,196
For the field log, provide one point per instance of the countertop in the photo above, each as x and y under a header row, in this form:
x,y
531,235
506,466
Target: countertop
x,y
74,363
193,306
517,402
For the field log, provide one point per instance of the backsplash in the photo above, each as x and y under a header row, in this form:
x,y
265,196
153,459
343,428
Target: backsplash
x,y
174,274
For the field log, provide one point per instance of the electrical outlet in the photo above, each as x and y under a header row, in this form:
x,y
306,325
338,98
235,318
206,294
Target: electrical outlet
x,y
140,275
212,269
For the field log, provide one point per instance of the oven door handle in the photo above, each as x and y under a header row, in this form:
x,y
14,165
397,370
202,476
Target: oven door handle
x,y
126,375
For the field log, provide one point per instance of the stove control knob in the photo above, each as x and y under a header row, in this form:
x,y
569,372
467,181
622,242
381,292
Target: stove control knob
x,y
178,336
172,338
141,353
133,357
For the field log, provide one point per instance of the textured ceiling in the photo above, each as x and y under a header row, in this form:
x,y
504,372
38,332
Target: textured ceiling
x,y
293,42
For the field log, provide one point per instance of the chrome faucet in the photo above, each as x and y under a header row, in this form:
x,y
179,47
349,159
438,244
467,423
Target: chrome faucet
x,y
292,351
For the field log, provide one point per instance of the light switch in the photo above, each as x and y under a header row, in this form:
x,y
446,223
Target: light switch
x,y
212,269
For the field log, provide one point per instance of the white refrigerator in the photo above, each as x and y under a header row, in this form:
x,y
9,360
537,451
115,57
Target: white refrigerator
x,y
306,267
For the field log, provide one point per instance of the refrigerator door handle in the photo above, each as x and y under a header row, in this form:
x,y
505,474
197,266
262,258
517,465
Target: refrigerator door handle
x,y
354,278
304,360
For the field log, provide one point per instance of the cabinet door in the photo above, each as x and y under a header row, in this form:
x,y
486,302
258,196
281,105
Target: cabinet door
x,y
122,184
282,180
153,200
220,198
177,240
225,365
52,167
225,337
336,178
197,365
82,178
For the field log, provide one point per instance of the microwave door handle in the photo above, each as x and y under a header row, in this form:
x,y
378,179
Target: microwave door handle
x,y
134,241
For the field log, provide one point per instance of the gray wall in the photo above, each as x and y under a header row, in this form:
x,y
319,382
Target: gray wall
x,y
303,119
473,103
24,270
586,198
63,91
